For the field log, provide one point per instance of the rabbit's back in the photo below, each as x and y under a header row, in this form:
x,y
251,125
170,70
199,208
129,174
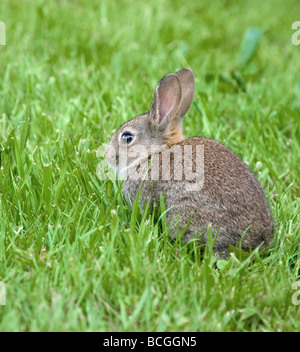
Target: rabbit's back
x,y
230,197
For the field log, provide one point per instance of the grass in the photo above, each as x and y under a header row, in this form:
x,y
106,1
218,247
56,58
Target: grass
x,y
72,255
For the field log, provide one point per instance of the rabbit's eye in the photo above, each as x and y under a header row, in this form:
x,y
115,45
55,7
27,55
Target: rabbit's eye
x,y
127,137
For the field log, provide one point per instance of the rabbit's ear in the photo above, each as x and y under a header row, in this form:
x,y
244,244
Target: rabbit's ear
x,y
187,83
166,99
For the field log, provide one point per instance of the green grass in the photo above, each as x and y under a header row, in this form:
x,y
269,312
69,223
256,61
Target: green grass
x,y
72,255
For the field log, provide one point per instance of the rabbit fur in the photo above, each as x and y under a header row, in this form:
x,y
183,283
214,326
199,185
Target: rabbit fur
x,y
225,196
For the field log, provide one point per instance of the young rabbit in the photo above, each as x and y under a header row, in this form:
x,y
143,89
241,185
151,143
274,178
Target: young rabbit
x,y
204,183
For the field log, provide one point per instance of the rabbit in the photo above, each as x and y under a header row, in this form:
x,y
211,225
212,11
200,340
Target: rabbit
x,y
225,196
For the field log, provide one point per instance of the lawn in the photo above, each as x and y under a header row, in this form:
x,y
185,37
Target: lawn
x,y
73,256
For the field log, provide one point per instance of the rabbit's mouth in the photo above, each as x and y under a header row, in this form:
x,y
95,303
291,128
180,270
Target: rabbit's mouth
x,y
114,167
112,157
119,165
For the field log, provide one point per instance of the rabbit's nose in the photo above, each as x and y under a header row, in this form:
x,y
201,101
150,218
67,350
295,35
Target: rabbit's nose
x,y
111,155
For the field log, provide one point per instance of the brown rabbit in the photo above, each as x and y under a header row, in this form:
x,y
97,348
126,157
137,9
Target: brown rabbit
x,y
204,183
